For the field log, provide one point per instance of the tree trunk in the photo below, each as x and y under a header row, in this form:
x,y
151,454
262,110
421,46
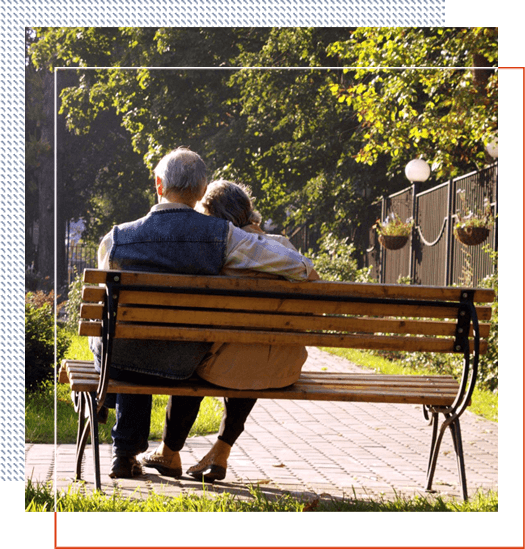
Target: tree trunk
x,y
46,187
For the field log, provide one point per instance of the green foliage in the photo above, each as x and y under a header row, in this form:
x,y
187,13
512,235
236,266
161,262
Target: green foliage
x,y
445,115
40,339
488,364
336,261
72,306
308,158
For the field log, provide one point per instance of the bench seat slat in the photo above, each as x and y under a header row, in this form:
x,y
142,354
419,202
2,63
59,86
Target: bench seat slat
x,y
348,387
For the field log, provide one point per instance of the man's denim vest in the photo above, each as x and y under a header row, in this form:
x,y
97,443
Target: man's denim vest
x,y
173,241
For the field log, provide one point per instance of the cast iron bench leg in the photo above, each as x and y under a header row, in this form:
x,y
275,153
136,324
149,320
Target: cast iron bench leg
x,y
81,434
93,421
453,424
458,447
88,401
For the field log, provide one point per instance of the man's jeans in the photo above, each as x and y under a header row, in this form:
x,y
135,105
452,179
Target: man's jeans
x,y
133,412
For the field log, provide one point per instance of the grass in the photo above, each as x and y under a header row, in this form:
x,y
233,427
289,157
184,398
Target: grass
x,y
39,497
484,403
40,423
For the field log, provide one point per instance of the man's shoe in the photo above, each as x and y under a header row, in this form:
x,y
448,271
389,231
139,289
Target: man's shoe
x,y
167,465
125,467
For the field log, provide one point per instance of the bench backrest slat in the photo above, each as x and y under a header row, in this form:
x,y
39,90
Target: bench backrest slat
x,y
320,288
407,343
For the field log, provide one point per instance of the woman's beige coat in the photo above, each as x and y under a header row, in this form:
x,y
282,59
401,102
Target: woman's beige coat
x,y
242,366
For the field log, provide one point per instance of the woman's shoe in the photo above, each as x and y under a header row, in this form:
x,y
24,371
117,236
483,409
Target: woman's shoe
x,y
166,461
213,465
207,472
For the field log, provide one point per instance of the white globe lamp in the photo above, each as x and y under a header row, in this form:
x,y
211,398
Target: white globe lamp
x,y
492,148
417,170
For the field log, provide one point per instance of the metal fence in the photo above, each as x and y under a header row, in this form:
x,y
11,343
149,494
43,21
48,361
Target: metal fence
x,y
79,257
433,256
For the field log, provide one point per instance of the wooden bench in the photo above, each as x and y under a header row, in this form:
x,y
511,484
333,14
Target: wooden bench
x,y
155,306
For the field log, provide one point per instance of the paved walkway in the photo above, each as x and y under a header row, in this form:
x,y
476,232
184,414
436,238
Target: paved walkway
x,y
311,449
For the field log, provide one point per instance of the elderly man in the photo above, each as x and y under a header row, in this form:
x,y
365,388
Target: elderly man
x,y
173,237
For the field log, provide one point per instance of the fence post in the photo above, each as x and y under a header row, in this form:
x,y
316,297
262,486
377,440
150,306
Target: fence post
x,y
382,258
448,249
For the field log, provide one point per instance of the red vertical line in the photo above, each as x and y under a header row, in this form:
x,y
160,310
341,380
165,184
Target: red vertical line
x,y
55,530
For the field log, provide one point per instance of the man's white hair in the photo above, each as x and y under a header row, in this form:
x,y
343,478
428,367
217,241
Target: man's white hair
x,y
182,171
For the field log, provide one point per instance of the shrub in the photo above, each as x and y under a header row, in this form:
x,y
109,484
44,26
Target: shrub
x,y
488,363
74,299
40,339
336,261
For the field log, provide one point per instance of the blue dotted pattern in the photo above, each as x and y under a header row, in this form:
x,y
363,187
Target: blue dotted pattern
x,y
12,348
319,13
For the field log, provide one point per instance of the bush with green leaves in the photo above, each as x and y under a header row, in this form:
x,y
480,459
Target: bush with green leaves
x,y
74,299
40,339
488,363
335,261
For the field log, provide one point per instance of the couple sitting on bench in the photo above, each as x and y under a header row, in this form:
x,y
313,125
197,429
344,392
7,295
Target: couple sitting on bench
x,y
173,237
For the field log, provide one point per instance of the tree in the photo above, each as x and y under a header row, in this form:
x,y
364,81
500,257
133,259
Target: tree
x,y
277,130
39,167
116,124
447,115
99,177
292,143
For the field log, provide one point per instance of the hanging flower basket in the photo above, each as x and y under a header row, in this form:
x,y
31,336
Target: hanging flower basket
x,y
391,242
392,232
471,236
473,228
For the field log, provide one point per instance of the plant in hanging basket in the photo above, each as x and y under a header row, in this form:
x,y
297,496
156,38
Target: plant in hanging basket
x,y
473,228
471,236
393,233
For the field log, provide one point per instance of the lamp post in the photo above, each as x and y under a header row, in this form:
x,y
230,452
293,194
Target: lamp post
x,y
417,171
492,149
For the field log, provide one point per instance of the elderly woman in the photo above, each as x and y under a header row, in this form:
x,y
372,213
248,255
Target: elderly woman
x,y
241,366
268,366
